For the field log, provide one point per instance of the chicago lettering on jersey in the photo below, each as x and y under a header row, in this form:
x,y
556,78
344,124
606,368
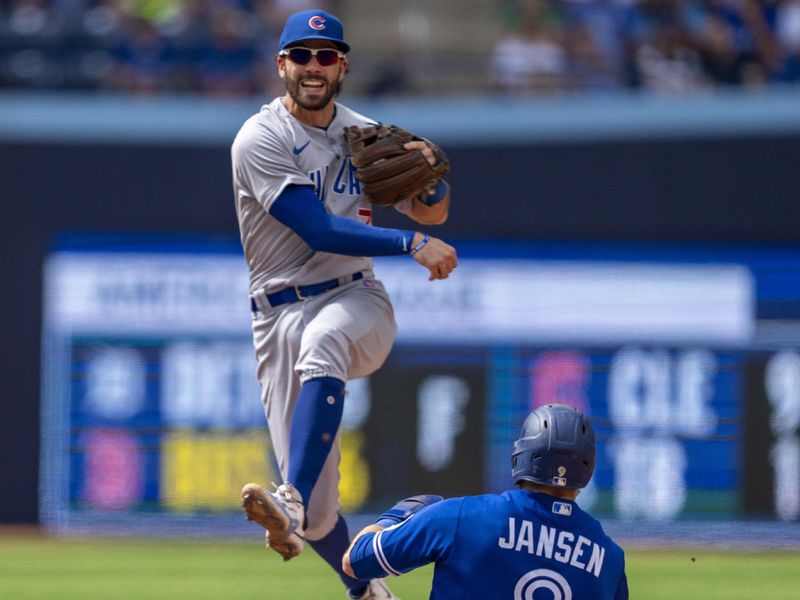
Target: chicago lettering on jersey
x,y
346,180
318,177
562,546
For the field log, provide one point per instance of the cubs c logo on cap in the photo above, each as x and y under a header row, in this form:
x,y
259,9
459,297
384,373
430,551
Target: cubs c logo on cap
x,y
314,24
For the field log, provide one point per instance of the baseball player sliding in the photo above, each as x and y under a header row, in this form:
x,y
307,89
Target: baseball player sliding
x,y
319,315
532,542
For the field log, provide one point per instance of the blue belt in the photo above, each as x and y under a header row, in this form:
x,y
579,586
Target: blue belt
x,y
300,292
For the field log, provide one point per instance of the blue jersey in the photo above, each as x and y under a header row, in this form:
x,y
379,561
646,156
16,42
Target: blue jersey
x,y
518,545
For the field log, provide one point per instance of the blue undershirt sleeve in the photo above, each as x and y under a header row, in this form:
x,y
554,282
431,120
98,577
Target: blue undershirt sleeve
x,y
299,208
425,537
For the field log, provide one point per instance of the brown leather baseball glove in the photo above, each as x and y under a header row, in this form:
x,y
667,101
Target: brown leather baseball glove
x,y
387,171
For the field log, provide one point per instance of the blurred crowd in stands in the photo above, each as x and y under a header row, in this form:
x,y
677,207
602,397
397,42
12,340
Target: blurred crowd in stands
x,y
226,48
662,45
220,48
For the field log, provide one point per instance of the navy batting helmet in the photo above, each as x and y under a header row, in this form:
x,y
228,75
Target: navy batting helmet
x,y
555,448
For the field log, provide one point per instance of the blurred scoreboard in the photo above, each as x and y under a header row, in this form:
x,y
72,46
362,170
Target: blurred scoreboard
x,y
687,362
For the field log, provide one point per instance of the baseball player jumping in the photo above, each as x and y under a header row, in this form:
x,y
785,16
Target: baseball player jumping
x,y
320,317
511,545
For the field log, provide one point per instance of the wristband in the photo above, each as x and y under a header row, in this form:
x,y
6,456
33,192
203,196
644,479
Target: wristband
x,y
436,195
425,239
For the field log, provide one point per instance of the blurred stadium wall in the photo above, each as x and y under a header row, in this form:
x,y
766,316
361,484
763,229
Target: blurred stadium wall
x,y
714,174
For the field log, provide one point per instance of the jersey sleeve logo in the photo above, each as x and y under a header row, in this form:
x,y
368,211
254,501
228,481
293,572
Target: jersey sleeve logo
x,y
542,579
317,22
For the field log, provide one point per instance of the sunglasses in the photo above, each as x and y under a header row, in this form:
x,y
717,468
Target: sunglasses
x,y
326,57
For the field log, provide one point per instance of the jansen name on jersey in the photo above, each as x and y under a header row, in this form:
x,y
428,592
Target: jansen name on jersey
x,y
517,545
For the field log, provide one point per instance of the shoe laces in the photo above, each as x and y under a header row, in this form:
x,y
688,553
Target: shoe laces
x,y
284,492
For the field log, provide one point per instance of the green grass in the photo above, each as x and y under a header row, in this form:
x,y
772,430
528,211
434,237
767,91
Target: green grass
x,y
66,569
39,568
654,575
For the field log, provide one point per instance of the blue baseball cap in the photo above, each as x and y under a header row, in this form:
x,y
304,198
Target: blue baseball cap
x,y
313,24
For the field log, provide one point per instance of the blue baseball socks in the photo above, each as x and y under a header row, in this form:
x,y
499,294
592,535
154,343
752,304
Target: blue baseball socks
x,y
315,421
331,548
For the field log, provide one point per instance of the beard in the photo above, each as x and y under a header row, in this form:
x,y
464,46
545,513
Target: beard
x,y
315,102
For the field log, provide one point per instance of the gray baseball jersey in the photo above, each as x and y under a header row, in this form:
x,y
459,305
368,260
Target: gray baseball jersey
x,y
344,333
274,150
